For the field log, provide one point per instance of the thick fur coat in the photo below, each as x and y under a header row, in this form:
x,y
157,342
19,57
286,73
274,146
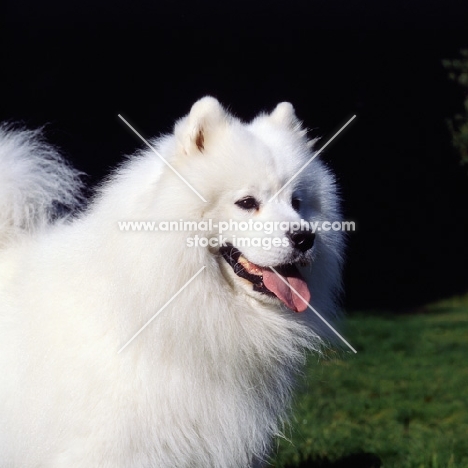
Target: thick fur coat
x,y
208,381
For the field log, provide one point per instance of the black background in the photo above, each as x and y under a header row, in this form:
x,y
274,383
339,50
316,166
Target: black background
x,y
76,65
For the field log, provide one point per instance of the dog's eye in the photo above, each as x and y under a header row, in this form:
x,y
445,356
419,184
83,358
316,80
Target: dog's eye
x,y
296,203
248,203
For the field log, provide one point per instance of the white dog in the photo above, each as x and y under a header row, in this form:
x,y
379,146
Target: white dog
x,y
207,381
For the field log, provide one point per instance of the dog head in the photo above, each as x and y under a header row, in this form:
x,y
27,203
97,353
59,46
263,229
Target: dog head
x,y
263,192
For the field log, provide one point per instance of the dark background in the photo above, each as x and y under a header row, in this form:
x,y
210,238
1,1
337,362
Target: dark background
x,y
76,65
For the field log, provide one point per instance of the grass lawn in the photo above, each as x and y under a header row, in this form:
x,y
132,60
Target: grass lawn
x,y
404,396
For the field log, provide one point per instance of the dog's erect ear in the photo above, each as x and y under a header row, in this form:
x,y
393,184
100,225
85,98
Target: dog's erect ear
x,y
194,130
285,116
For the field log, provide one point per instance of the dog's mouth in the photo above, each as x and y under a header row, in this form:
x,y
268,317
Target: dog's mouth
x,y
286,283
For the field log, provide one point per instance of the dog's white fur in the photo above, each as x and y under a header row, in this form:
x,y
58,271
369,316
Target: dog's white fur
x,y
208,382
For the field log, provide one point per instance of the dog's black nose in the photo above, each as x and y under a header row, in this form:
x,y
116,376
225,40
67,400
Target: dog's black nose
x,y
302,240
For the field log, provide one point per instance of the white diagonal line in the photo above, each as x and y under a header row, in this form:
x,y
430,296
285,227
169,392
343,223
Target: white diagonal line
x,y
162,159
315,312
312,158
161,309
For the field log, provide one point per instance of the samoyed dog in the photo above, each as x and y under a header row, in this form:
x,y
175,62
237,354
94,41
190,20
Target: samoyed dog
x,y
130,341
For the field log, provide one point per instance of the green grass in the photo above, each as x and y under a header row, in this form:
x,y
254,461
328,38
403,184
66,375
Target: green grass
x,y
404,396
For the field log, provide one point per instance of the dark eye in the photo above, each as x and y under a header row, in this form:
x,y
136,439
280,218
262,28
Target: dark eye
x,y
248,203
296,203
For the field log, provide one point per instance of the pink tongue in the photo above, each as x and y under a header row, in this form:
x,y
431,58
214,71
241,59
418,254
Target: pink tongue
x,y
284,292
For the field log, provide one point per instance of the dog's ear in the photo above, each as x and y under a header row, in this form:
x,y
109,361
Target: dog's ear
x,y
285,116
205,117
